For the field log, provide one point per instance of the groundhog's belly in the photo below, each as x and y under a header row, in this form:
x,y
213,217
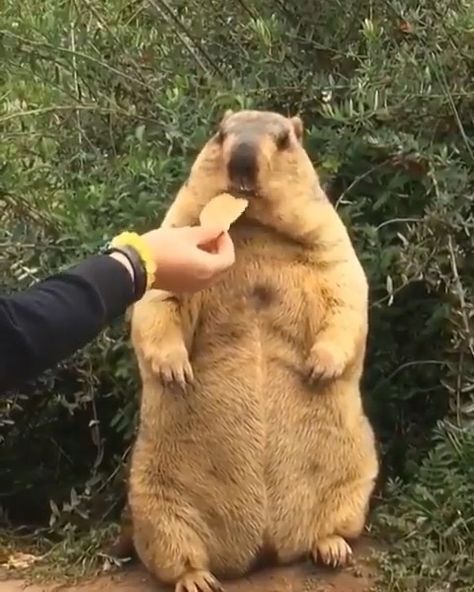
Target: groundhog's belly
x,y
252,343
254,334
249,354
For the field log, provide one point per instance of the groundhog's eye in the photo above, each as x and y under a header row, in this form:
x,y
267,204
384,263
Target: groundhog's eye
x,y
283,140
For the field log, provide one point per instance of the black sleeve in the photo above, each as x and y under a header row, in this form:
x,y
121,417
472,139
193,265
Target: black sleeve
x,y
48,322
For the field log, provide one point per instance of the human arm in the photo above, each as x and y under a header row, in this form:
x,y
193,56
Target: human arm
x,y
54,318
51,320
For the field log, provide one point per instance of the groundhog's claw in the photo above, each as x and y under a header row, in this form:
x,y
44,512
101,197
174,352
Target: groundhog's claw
x,y
172,366
325,362
333,551
198,581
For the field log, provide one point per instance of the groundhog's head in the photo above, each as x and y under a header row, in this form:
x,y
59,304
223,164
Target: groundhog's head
x,y
258,155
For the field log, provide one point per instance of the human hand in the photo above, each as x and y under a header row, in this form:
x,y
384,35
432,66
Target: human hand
x,y
191,258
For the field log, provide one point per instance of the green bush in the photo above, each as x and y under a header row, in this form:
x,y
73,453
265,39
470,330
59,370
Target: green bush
x,y
430,524
104,104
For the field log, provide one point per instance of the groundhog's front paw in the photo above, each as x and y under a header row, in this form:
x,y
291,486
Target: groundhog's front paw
x,y
325,362
171,364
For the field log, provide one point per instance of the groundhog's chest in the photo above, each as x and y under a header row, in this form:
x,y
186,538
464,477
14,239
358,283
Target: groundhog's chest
x,y
268,294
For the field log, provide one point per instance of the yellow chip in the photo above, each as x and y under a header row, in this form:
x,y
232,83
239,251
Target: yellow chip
x,y
222,211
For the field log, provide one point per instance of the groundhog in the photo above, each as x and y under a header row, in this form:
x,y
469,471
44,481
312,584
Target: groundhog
x,y
122,546
252,435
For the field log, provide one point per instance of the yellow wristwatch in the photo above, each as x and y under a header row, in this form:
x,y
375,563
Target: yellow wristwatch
x,y
141,259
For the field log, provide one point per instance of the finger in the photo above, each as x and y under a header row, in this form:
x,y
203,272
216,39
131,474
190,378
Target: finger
x,y
221,259
210,247
202,235
225,251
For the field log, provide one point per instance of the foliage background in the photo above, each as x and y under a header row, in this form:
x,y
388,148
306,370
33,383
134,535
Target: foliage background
x,y
104,104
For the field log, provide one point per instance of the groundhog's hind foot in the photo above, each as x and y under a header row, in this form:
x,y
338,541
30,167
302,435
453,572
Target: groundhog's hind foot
x,y
198,581
333,551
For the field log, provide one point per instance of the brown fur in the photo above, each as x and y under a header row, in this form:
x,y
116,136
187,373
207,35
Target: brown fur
x,y
252,433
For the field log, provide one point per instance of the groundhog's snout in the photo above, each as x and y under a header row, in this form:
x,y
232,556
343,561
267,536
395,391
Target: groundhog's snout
x,y
243,165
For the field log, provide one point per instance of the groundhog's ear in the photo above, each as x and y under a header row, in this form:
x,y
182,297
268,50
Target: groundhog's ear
x,y
219,130
298,127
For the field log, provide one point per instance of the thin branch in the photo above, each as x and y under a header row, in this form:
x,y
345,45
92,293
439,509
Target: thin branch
x,y
404,366
78,54
246,8
163,8
82,107
105,25
360,178
396,221
461,297
77,90
26,208
442,79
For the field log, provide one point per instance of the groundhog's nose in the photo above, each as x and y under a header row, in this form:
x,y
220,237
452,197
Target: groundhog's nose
x,y
243,166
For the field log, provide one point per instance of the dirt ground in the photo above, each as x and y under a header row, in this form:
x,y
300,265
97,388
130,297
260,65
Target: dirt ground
x,y
298,578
